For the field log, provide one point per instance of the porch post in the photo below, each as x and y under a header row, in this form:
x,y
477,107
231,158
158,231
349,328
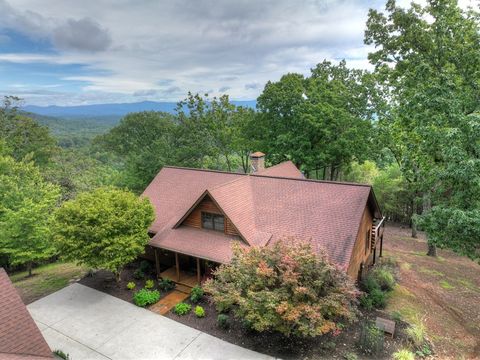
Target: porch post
x,y
374,255
177,266
198,271
157,263
381,246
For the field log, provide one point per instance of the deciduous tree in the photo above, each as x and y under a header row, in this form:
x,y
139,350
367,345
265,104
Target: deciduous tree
x,y
26,202
104,229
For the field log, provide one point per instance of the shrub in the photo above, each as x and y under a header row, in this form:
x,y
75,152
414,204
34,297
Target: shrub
x,y
416,333
285,287
379,298
223,321
61,354
145,266
149,284
404,354
138,274
182,308
166,284
384,278
131,285
424,351
366,302
199,311
196,294
396,315
146,297
350,356
371,339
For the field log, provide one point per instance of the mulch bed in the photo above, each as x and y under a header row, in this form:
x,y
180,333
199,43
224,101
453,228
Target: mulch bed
x,y
277,345
274,344
105,281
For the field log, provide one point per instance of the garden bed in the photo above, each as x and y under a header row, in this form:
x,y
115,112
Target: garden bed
x,y
277,345
105,281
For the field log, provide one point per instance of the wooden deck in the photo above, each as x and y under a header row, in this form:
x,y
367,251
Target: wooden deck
x,y
186,279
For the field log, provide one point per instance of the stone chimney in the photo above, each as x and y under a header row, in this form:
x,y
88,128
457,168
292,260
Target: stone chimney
x,y
257,160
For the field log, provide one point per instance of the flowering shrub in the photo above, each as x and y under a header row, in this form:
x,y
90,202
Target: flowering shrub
x,y
285,287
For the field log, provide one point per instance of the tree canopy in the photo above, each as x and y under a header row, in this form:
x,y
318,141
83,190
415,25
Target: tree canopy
x,y
26,202
105,228
322,122
428,59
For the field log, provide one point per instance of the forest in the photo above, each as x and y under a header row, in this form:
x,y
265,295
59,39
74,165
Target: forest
x,y
410,128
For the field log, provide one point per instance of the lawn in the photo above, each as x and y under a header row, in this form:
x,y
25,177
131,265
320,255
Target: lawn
x,y
46,279
443,293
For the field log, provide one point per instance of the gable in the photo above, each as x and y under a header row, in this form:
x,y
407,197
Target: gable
x,y
194,218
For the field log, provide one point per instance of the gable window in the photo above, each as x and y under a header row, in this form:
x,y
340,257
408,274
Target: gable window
x,y
213,221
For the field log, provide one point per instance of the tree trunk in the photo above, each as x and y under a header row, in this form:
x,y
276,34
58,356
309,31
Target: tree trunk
x,y
117,276
432,250
427,206
228,162
414,229
29,268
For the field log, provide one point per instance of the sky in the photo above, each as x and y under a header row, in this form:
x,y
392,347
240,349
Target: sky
x,y
71,52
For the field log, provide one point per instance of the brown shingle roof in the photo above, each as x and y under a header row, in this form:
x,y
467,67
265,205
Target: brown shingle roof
x,y
263,207
20,337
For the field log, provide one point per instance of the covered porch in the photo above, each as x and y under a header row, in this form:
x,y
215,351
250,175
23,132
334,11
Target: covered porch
x,y
183,269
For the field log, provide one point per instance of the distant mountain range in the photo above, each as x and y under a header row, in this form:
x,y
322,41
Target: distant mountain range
x,y
111,109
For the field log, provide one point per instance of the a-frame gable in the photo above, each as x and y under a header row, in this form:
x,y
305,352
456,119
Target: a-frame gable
x,y
206,203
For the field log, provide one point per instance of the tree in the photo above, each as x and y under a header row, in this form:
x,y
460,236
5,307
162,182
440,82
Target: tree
x,y
428,60
23,135
145,142
322,122
26,202
285,287
213,132
105,228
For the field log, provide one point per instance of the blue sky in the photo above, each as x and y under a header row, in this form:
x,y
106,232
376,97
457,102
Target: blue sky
x,y
64,52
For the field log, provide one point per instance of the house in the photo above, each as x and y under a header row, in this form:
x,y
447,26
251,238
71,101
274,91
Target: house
x,y
20,338
201,213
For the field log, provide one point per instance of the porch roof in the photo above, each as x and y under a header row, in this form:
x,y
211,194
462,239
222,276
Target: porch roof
x,y
206,244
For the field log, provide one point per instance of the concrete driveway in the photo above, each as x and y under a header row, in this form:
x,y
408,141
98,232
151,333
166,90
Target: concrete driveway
x,y
89,324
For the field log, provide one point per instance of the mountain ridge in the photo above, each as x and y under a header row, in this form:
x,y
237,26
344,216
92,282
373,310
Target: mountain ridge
x,y
112,109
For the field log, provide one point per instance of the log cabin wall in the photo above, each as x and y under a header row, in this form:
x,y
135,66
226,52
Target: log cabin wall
x,y
362,248
207,205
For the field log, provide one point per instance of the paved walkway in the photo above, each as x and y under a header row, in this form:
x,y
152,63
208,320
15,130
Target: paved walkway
x,y
168,302
89,324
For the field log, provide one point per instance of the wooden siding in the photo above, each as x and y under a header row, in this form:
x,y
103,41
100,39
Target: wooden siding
x,y
358,253
207,205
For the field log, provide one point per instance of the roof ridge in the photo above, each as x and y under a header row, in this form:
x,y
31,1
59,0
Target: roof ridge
x,y
227,183
313,180
206,170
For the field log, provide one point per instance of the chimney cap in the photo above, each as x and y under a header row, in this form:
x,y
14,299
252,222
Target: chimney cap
x,y
257,154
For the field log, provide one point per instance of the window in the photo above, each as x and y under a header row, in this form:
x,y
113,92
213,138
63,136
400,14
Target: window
x,y
367,241
213,221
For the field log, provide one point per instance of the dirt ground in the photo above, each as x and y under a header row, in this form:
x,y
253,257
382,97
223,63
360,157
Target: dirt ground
x,y
441,292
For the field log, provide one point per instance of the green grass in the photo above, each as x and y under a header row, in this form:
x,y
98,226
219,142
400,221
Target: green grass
x,y
469,285
446,285
431,272
46,279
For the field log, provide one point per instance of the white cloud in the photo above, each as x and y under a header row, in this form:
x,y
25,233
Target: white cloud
x,y
162,49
